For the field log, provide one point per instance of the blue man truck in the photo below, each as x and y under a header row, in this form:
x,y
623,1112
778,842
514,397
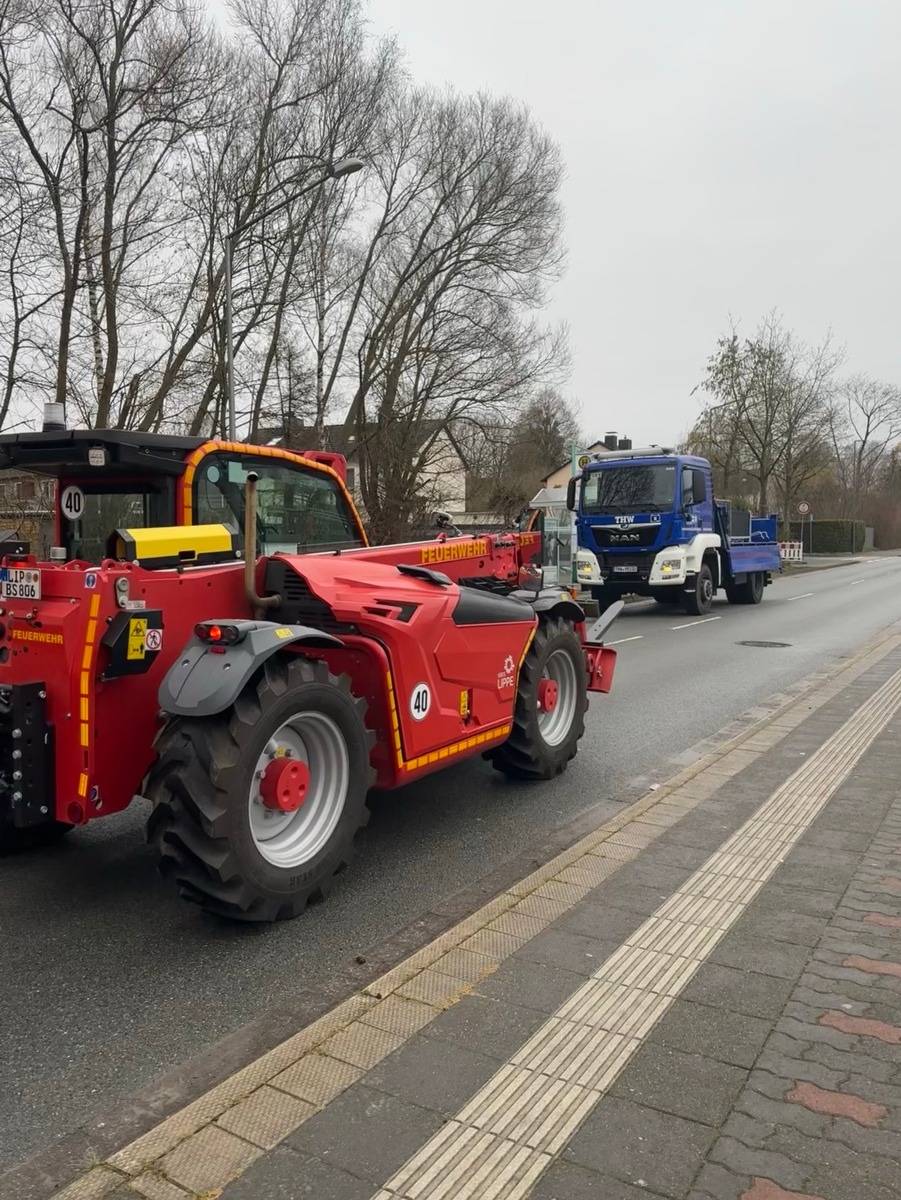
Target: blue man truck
x,y
651,519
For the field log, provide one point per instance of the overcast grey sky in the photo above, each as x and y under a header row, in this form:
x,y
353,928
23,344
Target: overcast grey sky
x,y
724,156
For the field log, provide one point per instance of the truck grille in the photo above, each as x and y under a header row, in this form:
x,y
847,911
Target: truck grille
x,y
606,536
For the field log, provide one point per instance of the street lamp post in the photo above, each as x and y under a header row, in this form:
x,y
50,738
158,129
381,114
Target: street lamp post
x,y
336,170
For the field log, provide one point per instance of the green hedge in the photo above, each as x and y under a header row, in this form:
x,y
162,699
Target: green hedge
x,y
829,537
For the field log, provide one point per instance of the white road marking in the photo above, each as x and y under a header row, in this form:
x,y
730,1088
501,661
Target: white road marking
x,y
703,621
636,638
506,1136
803,597
856,582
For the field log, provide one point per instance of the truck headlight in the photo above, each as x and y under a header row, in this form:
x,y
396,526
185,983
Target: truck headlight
x,y
671,566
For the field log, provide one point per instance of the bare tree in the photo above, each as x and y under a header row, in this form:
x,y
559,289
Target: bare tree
x,y
101,98
23,365
509,460
465,242
308,91
408,297
773,395
149,141
865,422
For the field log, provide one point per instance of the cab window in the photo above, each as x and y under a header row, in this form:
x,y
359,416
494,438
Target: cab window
x,y
104,508
298,509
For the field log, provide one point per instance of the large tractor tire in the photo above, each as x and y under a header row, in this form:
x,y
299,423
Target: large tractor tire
x,y
749,592
17,841
699,601
549,718
255,811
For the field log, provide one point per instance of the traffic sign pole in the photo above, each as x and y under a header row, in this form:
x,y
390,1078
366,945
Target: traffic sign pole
x,y
805,510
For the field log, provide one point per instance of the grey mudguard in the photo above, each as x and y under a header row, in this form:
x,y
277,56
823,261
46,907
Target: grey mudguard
x,y
203,682
552,600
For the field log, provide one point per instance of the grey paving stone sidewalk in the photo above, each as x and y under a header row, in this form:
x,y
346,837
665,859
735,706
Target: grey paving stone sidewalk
x,y
775,1074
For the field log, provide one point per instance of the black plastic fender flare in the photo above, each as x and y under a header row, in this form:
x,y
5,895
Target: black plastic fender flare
x,y
205,681
552,601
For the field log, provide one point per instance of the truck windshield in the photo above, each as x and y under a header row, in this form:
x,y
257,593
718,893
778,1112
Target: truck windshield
x,y
629,489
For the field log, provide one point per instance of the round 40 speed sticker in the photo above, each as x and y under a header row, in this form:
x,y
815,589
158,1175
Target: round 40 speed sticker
x,y
71,503
420,701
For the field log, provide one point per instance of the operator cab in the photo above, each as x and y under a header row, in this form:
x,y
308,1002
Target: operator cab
x,y
74,489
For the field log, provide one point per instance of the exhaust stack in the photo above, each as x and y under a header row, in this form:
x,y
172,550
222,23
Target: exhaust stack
x,y
259,603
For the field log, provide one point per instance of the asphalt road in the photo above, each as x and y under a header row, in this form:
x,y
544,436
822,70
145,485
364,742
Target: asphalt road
x,y
108,979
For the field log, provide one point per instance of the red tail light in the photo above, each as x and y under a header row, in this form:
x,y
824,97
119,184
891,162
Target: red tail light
x,y
218,635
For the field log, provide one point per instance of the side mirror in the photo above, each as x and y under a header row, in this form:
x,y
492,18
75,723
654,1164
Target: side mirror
x,y
698,487
571,494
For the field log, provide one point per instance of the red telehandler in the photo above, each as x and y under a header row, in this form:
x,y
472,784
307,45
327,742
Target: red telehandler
x,y
211,630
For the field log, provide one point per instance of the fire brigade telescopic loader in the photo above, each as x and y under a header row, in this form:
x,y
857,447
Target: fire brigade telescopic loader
x,y
255,699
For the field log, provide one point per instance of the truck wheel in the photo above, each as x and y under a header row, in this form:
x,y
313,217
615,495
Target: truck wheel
x,y
16,841
549,717
255,811
749,592
699,602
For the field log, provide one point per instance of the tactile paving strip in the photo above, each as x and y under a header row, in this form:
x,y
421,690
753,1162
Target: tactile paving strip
x,y
503,1139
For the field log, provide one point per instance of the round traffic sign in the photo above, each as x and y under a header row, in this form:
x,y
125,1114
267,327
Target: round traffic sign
x,y
583,461
803,508
72,503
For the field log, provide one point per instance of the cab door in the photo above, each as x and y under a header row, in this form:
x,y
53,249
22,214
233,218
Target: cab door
x,y
697,509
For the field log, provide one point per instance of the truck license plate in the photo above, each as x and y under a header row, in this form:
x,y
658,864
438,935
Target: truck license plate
x,y
17,584
625,570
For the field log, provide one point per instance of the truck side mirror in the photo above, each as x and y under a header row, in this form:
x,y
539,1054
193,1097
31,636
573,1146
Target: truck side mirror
x,y
571,494
698,487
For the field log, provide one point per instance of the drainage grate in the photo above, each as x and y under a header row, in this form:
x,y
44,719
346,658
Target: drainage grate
x,y
766,645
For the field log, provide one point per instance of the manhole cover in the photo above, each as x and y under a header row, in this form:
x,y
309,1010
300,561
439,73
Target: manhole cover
x,y
766,645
